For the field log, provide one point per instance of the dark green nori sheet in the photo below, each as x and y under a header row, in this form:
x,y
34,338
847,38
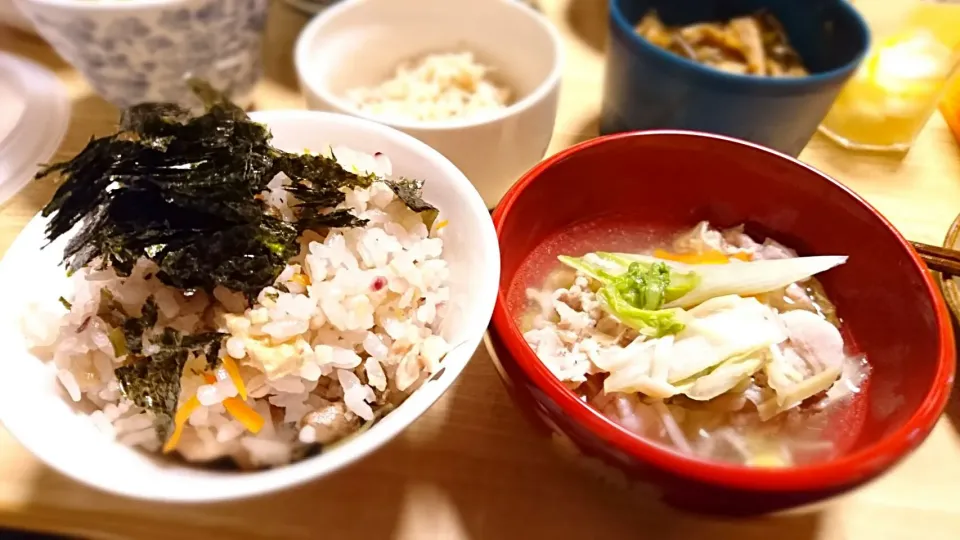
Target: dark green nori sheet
x,y
153,382
183,192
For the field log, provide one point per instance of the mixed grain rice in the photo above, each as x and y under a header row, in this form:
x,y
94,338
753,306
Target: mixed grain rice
x,y
433,88
350,328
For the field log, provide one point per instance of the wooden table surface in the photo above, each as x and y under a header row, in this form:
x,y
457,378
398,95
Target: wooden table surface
x,y
471,468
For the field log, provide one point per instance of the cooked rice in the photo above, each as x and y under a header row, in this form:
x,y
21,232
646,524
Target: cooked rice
x,y
350,328
435,87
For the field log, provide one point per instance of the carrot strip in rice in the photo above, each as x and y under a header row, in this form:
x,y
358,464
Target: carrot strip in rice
x,y
183,414
238,408
232,369
244,414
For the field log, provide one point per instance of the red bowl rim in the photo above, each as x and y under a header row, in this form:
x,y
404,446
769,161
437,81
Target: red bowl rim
x,y
844,471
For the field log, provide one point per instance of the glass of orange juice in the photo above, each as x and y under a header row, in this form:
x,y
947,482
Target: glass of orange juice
x,y
886,104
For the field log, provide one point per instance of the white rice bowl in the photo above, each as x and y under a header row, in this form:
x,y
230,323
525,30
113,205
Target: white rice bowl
x,y
324,309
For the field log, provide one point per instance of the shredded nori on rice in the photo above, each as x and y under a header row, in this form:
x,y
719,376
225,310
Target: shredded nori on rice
x,y
186,192
317,182
153,382
411,193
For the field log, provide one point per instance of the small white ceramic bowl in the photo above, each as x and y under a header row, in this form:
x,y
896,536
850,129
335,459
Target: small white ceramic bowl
x,y
361,42
133,51
32,406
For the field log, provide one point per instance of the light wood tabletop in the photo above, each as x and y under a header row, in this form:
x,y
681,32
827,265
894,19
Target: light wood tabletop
x,y
471,468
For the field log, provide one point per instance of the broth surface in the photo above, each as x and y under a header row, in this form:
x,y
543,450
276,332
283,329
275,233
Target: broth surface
x,y
726,428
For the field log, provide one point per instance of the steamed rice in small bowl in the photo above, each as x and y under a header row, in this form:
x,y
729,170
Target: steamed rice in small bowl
x,y
362,329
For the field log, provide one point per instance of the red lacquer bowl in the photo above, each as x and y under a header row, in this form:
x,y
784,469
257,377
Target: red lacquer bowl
x,y
598,194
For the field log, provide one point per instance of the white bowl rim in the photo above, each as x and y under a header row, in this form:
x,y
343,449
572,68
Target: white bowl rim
x,y
307,36
258,483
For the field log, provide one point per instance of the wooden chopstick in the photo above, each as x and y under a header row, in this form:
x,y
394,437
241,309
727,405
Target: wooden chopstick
x,y
938,259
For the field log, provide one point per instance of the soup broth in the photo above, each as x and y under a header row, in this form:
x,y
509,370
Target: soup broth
x,y
758,374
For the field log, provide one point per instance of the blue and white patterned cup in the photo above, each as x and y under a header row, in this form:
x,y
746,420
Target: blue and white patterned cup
x,y
135,51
